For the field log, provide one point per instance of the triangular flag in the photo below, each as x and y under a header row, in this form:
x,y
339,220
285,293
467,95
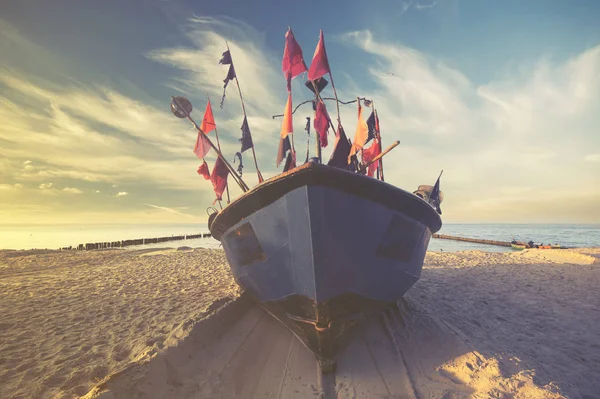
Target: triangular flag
x,y
320,63
284,146
362,133
322,123
434,197
339,157
246,139
373,127
202,146
290,162
369,154
208,123
292,63
287,124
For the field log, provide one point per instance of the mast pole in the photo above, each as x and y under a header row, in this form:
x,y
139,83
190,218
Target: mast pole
x,y
260,178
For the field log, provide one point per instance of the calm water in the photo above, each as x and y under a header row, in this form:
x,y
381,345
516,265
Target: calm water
x,y
44,236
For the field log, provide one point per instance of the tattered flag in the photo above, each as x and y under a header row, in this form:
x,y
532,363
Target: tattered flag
x,y
203,171
292,63
226,58
241,165
246,139
369,154
322,123
219,178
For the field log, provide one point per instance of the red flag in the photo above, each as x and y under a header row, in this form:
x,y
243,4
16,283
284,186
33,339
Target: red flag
x,y
219,178
322,123
208,123
369,154
287,126
292,64
202,147
203,171
320,64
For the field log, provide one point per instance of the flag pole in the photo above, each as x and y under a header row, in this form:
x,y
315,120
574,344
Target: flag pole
x,y
260,178
219,145
237,178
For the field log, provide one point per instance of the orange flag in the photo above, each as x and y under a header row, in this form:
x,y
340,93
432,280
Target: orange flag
x,y
287,125
208,123
361,135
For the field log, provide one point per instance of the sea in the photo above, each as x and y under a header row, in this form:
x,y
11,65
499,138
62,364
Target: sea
x,y
59,236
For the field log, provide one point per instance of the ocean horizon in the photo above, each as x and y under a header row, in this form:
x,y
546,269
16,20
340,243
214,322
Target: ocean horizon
x,y
44,236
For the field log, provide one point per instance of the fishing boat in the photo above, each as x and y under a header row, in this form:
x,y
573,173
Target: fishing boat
x,y
323,247
294,243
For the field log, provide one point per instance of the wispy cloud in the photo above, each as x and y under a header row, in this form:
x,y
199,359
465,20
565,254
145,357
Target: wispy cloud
x,y
121,194
72,190
170,210
529,128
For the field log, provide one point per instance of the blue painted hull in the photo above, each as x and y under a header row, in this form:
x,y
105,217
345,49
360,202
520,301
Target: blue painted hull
x,y
323,255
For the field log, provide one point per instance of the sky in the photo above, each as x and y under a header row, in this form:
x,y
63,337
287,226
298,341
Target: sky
x,y
504,97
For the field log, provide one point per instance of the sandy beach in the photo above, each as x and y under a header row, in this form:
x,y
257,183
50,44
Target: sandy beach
x,y
171,323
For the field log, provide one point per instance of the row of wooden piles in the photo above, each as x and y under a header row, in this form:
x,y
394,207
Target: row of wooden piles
x,y
476,240
136,241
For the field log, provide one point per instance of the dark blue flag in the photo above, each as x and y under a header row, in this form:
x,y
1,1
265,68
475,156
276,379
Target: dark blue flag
x,y
371,124
434,198
339,158
230,74
226,58
241,165
284,147
246,139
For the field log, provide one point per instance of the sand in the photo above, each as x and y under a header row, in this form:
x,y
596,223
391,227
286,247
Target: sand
x,y
171,324
71,318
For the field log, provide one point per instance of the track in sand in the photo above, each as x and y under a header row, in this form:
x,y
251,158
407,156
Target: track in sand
x,y
243,352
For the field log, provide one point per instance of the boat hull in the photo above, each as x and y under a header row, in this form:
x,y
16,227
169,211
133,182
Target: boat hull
x,y
322,259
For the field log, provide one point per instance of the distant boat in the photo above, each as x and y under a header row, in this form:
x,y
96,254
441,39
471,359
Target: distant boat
x,y
518,245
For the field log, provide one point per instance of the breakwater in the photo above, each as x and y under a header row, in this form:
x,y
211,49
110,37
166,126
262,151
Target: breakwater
x,y
135,241
476,240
